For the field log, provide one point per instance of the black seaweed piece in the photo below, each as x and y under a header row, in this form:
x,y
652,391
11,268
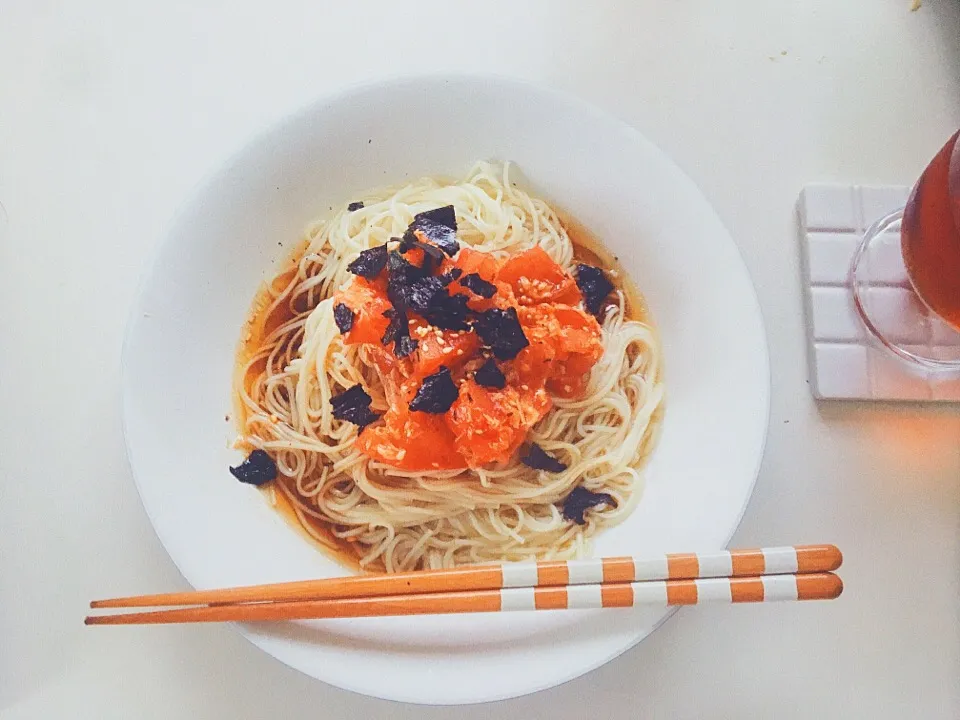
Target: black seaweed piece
x,y
539,460
404,346
440,227
369,263
395,326
422,295
474,283
594,285
353,405
399,268
343,316
407,242
354,206
401,275
398,332
500,330
581,500
436,394
449,312
489,375
401,271
257,469
410,288
451,275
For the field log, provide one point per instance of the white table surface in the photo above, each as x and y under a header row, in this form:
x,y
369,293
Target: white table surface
x,y
111,111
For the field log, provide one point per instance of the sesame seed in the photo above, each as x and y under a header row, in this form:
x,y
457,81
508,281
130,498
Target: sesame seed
x,y
459,352
447,350
524,387
567,388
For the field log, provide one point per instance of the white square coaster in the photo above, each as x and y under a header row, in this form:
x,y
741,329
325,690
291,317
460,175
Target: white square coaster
x,y
843,363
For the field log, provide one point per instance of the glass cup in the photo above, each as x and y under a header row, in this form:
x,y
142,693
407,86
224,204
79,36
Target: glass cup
x,y
906,270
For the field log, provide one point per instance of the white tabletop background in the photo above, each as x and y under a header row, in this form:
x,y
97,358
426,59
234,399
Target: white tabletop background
x,y
111,111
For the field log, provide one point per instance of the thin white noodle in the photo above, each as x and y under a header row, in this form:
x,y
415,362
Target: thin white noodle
x,y
396,520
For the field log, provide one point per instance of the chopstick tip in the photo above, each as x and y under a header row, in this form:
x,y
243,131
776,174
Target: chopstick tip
x,y
835,587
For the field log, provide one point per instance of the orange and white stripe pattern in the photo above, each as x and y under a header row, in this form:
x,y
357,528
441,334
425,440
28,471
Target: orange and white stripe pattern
x,y
681,566
766,588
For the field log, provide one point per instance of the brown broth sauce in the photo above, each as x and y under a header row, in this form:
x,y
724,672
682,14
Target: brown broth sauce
x,y
588,249
259,324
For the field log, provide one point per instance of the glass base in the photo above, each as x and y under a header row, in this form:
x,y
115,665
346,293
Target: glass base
x,y
894,315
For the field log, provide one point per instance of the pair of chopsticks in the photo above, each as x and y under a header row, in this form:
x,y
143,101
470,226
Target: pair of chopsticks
x,y
800,572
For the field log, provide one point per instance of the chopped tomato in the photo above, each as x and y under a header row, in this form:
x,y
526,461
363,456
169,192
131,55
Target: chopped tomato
x,y
444,347
368,303
485,425
490,425
470,261
533,365
573,338
474,261
411,441
566,329
570,376
536,278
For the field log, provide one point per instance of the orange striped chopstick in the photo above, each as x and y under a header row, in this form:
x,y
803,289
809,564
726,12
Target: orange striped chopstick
x,y
761,588
550,573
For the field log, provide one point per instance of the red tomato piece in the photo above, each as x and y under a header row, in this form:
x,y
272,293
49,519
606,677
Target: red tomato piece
x,y
536,278
368,303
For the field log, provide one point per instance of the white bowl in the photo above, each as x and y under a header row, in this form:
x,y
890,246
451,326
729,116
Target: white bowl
x,y
184,329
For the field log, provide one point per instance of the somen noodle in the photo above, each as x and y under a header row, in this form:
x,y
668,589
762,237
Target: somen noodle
x,y
293,361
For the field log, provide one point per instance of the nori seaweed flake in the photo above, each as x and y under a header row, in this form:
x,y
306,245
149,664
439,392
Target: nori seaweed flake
x,y
539,460
449,312
422,295
399,268
354,206
353,406
436,394
474,283
439,226
501,331
594,285
369,263
401,276
404,346
343,316
581,500
398,332
489,375
257,469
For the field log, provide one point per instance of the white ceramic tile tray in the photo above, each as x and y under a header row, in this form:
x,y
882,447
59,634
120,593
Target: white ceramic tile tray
x,y
843,363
